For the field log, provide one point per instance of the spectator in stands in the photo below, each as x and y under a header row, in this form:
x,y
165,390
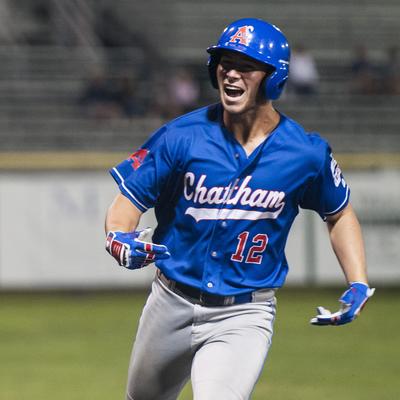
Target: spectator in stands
x,y
180,95
121,39
42,15
304,76
126,97
364,77
111,31
114,33
390,72
99,97
8,32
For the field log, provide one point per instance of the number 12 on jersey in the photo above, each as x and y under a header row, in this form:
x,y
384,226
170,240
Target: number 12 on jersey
x,y
254,255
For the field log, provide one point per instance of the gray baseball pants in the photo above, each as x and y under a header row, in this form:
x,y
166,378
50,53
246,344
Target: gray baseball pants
x,y
222,349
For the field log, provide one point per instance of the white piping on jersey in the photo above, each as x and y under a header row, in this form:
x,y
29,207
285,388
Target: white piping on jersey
x,y
127,190
341,205
226,213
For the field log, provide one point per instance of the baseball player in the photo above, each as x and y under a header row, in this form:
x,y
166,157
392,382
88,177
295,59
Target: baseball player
x,y
226,182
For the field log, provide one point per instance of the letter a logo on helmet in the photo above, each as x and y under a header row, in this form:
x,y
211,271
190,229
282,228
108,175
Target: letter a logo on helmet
x,y
242,35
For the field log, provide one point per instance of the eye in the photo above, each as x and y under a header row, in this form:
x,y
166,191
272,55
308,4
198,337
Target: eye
x,y
227,65
246,67
242,67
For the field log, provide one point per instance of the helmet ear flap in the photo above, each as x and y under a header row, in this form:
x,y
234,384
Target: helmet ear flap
x,y
212,65
274,87
275,84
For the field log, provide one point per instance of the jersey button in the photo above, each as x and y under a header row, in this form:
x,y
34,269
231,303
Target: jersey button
x,y
236,155
210,285
224,224
214,254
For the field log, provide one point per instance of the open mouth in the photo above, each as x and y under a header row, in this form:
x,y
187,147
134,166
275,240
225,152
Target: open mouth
x,y
233,91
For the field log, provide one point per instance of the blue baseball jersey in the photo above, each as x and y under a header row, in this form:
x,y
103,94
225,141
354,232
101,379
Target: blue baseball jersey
x,y
225,216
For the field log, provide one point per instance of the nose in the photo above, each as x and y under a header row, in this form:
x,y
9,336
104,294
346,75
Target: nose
x,y
232,73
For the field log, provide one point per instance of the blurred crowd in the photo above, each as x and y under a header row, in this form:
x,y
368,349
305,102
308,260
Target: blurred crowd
x,y
371,78
366,75
155,87
122,96
175,91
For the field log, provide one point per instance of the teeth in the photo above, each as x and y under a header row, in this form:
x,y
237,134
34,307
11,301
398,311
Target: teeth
x,y
233,91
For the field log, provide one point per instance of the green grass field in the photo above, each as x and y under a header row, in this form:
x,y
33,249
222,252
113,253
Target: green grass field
x,y
77,346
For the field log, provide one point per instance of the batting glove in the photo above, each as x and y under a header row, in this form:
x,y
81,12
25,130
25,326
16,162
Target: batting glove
x,y
352,302
132,250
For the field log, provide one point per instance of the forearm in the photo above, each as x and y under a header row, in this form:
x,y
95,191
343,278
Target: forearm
x,y
122,215
348,245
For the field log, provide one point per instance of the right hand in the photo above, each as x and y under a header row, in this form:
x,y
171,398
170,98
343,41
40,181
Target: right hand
x,y
352,302
132,250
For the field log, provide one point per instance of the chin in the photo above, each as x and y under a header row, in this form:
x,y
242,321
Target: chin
x,y
235,109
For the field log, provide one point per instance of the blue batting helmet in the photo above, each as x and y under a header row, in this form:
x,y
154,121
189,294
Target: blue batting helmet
x,y
259,40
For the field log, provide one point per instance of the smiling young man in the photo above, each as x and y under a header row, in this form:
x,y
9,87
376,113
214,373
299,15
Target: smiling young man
x,y
226,182
248,114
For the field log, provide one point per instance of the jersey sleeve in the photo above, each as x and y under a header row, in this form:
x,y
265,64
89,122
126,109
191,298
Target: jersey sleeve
x,y
328,192
142,176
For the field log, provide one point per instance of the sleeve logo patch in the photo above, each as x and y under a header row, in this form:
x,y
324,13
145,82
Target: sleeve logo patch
x,y
138,157
337,173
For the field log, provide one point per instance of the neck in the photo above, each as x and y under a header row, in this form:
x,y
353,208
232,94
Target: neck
x,y
253,126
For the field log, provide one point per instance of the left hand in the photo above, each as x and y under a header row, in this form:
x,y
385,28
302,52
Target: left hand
x,y
134,250
352,302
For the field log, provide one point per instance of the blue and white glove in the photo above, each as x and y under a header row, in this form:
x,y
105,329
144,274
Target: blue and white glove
x,y
352,302
134,250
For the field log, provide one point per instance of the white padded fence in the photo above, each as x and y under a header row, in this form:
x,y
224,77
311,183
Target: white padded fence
x,y
52,235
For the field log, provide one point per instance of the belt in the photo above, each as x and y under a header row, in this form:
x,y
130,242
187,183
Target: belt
x,y
197,296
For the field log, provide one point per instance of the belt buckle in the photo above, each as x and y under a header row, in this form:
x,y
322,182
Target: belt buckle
x,y
212,300
202,298
205,300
